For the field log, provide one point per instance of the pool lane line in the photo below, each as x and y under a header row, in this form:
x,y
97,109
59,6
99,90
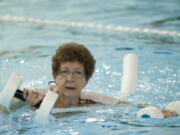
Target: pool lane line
x,y
111,27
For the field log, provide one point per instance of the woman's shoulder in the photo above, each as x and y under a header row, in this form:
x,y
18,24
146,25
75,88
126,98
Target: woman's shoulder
x,y
98,98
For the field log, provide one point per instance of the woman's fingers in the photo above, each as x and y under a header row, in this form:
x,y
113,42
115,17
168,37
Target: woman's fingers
x,y
29,98
25,93
37,97
121,103
32,97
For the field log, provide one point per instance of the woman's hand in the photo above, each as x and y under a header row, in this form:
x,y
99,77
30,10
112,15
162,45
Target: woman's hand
x,y
32,97
141,105
169,113
122,103
137,105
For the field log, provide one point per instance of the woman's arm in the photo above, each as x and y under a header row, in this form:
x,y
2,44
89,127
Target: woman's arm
x,y
107,100
98,98
137,105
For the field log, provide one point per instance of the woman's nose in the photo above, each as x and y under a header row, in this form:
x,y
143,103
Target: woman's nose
x,y
70,77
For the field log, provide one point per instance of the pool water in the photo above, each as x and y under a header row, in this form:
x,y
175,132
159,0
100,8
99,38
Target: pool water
x,y
31,31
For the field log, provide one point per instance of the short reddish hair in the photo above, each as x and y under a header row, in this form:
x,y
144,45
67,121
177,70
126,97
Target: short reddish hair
x,y
73,52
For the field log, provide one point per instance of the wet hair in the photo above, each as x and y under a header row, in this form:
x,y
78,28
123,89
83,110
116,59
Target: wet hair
x,y
73,52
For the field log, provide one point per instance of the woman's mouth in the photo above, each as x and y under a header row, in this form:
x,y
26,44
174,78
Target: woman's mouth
x,y
70,88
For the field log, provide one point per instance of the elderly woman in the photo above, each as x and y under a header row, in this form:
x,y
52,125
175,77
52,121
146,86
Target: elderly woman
x,y
72,67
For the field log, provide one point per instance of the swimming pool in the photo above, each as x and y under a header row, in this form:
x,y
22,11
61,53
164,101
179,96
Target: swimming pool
x,y
30,32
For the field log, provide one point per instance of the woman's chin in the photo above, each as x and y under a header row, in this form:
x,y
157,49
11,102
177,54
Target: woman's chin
x,y
71,93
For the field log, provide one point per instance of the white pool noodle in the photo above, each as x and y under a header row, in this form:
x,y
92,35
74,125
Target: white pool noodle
x,y
9,90
129,78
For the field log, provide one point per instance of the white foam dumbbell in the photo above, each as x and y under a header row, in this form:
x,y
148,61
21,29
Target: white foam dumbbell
x,y
11,90
150,112
174,106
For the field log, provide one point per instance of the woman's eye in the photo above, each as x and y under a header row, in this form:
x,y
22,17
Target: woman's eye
x,y
79,73
64,72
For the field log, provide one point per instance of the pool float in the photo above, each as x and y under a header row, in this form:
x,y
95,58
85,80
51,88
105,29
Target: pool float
x,y
129,78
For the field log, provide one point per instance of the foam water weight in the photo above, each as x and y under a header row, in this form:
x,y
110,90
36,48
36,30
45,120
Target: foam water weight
x,y
46,106
174,106
11,89
150,112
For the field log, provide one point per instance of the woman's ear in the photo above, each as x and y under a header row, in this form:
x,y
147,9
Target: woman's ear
x,y
85,84
54,76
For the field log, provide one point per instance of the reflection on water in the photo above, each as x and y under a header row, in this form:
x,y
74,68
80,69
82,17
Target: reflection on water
x,y
67,114
31,50
168,20
124,49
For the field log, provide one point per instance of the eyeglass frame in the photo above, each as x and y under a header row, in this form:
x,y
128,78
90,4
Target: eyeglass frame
x,y
77,73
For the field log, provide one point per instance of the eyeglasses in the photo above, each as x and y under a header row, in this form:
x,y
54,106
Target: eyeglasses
x,y
65,73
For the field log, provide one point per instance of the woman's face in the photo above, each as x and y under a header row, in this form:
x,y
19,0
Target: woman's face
x,y
70,79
